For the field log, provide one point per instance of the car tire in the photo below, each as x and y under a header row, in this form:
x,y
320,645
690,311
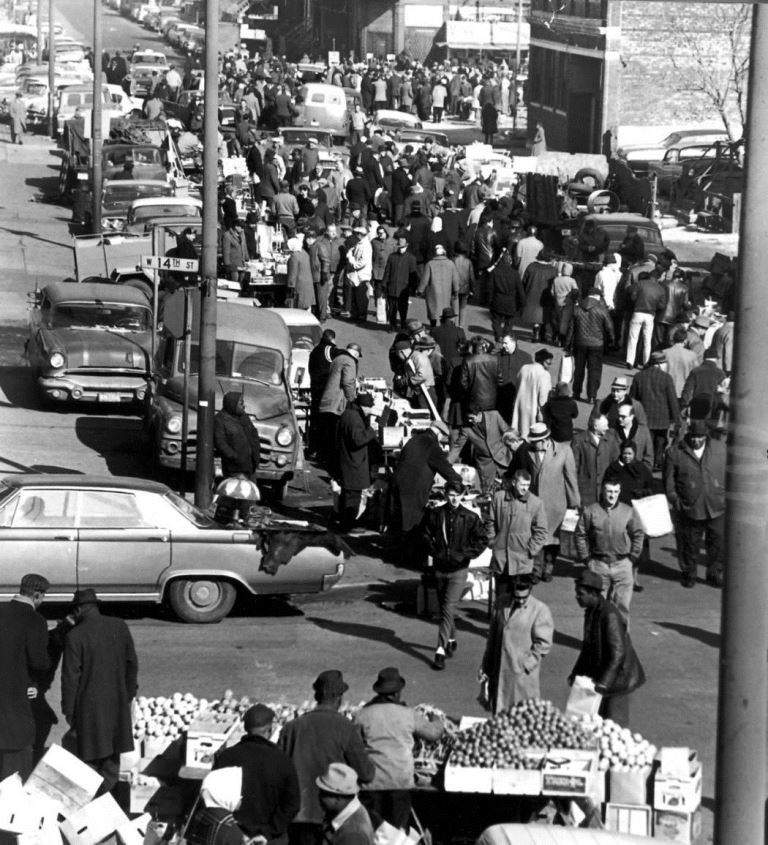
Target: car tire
x,y
203,600
590,177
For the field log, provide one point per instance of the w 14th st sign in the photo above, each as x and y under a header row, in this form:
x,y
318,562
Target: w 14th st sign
x,y
174,265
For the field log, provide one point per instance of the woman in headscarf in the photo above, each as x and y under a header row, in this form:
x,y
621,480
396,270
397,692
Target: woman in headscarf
x,y
213,822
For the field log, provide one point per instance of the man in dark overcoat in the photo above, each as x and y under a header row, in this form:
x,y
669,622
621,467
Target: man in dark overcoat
x,y
235,438
421,458
98,683
23,658
354,435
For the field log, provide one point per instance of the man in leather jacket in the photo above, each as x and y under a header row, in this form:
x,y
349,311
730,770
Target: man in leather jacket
x,y
607,655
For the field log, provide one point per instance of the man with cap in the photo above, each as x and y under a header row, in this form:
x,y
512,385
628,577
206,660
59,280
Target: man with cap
x,y
694,482
609,406
450,338
552,469
607,656
534,385
416,380
694,340
98,683
609,541
271,795
359,272
401,189
654,389
455,536
420,459
648,298
590,332
401,275
629,427
23,662
701,396
346,820
439,284
358,192
340,389
316,740
389,728
520,635
355,437
319,363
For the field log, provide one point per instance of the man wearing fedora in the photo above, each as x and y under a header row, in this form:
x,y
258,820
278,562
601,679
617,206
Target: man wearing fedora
x,y
346,820
23,660
271,796
654,388
620,393
316,740
389,728
607,655
694,482
98,682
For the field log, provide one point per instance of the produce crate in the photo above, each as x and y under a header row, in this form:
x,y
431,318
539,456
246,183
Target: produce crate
x,y
678,790
633,819
467,778
683,828
631,787
569,772
205,736
520,781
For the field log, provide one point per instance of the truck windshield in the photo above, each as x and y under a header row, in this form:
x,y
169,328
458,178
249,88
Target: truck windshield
x,y
86,315
244,361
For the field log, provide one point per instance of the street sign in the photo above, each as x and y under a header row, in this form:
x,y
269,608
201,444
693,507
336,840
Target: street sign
x,y
334,57
165,262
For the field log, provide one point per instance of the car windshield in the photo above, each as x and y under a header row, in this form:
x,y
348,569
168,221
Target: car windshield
x,y
244,361
138,155
145,59
617,232
35,88
127,192
148,211
91,315
305,337
192,513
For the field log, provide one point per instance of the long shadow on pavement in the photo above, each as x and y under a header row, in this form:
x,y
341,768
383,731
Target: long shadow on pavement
x,y
376,634
119,440
709,638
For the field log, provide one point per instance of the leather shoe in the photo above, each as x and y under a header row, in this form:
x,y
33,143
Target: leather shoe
x,y
715,579
439,662
450,649
688,581
637,588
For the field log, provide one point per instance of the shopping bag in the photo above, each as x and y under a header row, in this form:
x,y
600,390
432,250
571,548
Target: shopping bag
x,y
583,700
381,309
566,368
652,514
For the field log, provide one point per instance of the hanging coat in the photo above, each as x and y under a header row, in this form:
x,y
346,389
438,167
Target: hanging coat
x,y
517,640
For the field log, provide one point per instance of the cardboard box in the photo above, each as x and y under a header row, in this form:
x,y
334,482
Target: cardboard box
x,y
629,787
141,831
633,819
95,822
63,778
205,737
678,781
569,772
24,819
520,781
467,779
683,828
142,793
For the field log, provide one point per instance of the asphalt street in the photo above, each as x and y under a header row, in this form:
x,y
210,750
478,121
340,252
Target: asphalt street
x,y
273,650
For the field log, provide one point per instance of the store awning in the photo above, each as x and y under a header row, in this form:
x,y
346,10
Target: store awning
x,y
483,35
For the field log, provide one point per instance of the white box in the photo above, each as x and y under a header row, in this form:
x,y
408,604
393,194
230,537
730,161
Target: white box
x,y
678,790
633,819
670,826
27,819
94,822
61,777
629,787
141,831
516,781
467,779
205,736
569,772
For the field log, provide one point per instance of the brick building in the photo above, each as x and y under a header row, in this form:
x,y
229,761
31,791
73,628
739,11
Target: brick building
x,y
596,64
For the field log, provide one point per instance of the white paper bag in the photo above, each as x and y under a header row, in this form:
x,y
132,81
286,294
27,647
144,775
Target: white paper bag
x,y
566,369
381,309
583,700
652,514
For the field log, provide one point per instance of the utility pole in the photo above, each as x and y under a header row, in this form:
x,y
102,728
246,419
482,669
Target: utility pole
x,y
517,62
740,779
51,70
96,122
206,388
39,31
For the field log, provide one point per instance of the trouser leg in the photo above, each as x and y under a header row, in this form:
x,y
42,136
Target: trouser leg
x,y
647,336
616,707
594,370
635,325
690,534
402,306
579,367
713,541
659,445
450,586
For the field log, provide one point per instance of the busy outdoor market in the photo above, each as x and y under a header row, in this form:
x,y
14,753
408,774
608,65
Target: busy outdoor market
x,y
379,458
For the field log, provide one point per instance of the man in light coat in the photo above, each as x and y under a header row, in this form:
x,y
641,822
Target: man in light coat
x,y
491,440
360,273
439,284
533,388
520,635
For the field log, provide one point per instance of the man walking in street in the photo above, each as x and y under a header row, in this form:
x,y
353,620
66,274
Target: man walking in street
x,y
23,660
354,438
609,406
607,655
340,389
271,795
319,364
98,684
609,541
593,452
318,739
591,331
654,388
648,299
511,361
629,427
694,481
454,536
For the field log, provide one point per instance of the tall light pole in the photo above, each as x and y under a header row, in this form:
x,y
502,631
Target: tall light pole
x,y
206,388
39,31
96,172
51,70
740,778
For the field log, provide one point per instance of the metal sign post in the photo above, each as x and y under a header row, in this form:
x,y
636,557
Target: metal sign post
x,y
185,391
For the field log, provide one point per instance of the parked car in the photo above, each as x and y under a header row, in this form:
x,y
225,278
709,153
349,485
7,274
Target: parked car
x,y
324,106
133,540
670,168
143,63
253,356
638,155
615,224
392,119
148,160
118,196
90,342
79,96
143,213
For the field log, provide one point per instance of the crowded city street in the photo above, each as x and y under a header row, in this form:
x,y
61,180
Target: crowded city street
x,y
272,648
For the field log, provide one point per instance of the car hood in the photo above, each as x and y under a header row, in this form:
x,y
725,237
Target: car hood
x,y
101,348
261,402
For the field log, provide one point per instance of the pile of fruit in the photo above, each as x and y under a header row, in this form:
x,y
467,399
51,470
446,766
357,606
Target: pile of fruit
x,y
502,741
620,749
159,716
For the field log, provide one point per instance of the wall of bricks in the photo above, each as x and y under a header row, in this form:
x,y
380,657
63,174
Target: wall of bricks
x,y
650,89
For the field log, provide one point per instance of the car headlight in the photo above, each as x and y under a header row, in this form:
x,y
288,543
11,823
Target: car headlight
x,y
173,425
284,436
56,360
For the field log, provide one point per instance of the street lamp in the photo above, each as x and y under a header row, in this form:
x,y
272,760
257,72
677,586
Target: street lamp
x,y
96,172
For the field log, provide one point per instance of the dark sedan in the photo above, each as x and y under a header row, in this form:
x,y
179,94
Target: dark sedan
x,y
137,541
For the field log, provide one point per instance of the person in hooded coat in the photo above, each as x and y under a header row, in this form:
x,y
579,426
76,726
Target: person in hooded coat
x,y
235,438
213,823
